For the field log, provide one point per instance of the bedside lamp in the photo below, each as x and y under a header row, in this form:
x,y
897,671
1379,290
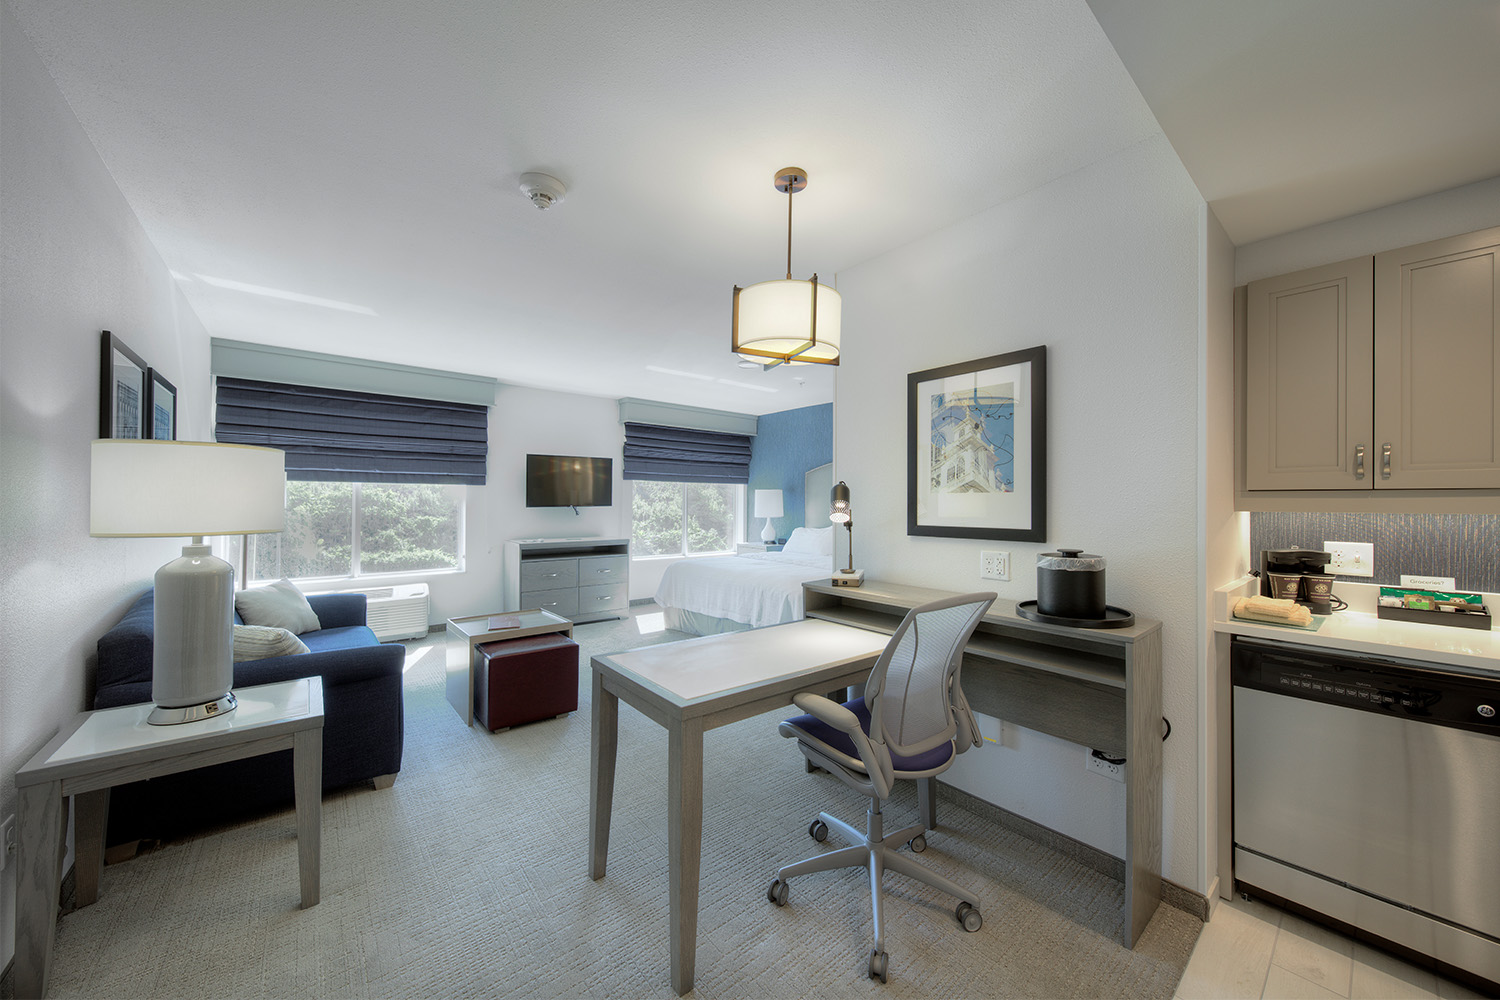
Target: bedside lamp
x,y
156,489
768,505
839,512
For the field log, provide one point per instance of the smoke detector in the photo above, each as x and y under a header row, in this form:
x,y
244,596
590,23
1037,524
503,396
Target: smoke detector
x,y
544,190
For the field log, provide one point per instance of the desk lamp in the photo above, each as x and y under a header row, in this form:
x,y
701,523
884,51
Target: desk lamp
x,y
841,513
768,505
164,489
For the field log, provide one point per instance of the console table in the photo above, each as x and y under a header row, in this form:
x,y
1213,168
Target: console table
x,y
1097,687
582,579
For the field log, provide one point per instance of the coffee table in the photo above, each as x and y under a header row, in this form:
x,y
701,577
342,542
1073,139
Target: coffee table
x,y
475,630
112,746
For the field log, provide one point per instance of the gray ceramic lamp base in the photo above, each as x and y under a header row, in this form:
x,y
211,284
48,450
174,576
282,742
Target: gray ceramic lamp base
x,y
192,713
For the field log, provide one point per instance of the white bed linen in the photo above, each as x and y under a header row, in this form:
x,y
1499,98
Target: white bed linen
x,y
755,589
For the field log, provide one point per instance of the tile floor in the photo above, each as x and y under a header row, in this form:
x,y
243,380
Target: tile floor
x,y
1253,949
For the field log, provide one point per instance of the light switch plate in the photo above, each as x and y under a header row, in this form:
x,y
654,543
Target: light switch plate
x,y
1351,558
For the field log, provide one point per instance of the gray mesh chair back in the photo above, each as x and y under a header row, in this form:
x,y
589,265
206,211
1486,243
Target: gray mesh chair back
x,y
911,722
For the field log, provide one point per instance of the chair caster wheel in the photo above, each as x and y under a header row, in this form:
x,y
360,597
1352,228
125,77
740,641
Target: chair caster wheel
x,y
777,892
918,844
818,830
879,964
968,917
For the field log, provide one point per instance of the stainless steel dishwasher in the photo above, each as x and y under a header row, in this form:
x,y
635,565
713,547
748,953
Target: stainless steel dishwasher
x,y
1367,789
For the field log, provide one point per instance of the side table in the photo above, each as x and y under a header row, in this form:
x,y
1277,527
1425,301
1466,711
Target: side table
x,y
112,746
464,634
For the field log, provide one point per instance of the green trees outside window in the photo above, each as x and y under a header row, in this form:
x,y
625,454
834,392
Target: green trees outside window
x,y
361,529
671,519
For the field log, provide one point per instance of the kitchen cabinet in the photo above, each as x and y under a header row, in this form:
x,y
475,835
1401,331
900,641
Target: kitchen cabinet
x,y
1377,373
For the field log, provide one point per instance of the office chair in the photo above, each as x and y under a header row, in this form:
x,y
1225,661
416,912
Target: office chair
x,y
911,723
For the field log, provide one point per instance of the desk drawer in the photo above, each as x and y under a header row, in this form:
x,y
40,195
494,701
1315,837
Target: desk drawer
x,y
594,570
559,602
606,597
548,574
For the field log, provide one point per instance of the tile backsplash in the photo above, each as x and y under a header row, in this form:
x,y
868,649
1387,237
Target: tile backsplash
x,y
1463,546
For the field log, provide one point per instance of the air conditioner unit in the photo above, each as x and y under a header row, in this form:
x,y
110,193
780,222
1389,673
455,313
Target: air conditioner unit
x,y
397,612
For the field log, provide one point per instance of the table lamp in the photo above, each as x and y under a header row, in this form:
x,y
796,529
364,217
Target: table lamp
x,y
839,512
157,489
768,505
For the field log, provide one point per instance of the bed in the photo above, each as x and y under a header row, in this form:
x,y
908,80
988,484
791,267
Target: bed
x,y
732,593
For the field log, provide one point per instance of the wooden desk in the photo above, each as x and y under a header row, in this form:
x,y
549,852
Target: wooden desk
x,y
112,746
688,688
1097,687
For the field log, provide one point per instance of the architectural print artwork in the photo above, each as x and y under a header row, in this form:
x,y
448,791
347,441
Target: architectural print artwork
x,y
122,390
976,444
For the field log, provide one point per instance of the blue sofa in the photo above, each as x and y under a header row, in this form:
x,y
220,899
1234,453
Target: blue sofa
x,y
362,727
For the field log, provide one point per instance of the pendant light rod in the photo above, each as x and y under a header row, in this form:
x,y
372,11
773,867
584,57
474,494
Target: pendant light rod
x,y
791,180
789,234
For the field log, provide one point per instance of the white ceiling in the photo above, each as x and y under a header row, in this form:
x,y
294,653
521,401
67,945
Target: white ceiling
x,y
368,162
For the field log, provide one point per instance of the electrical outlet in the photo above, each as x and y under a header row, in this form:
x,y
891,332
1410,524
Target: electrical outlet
x,y
991,730
994,565
7,839
1351,558
1093,762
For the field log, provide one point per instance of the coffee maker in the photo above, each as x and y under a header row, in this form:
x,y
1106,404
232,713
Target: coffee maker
x,y
1298,575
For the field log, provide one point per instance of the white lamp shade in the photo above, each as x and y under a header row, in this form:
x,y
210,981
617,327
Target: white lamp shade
x,y
177,488
768,503
775,317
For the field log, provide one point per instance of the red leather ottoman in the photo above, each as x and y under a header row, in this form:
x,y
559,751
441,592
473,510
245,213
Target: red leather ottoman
x,y
523,680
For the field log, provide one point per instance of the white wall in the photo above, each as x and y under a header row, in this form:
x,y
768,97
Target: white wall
x,y
1447,213
1102,267
75,262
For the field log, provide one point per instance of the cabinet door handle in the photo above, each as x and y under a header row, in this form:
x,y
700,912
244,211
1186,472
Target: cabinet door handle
x,y
1385,460
1359,462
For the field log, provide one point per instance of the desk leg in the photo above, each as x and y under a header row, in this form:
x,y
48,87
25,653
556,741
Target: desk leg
x,y
90,817
927,802
38,876
606,737
307,781
684,843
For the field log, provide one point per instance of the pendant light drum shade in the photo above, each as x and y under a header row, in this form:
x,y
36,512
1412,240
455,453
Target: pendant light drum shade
x,y
788,320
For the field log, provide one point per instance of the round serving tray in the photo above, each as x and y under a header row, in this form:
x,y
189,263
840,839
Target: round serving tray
x,y
1113,617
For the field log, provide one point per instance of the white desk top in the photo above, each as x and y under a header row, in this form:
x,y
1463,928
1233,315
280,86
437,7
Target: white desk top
x,y
110,732
714,665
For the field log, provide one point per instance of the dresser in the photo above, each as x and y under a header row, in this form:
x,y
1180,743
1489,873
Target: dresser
x,y
582,579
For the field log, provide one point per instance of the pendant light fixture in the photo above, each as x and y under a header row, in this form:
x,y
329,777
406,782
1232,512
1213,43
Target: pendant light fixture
x,y
787,321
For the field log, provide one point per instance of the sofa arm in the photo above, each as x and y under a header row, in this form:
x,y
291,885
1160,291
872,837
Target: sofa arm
x,y
338,610
335,666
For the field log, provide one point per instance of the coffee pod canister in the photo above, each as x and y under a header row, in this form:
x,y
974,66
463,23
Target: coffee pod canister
x,y
1070,584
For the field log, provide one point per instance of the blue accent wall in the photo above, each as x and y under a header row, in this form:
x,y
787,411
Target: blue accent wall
x,y
786,445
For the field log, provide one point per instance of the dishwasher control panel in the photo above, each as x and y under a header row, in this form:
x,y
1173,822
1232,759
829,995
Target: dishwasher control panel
x,y
1431,695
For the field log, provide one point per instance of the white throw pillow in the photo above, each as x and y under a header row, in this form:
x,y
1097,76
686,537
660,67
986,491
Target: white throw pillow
x,y
261,642
281,605
810,542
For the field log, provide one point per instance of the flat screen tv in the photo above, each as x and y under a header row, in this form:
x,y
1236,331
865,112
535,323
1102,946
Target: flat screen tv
x,y
569,481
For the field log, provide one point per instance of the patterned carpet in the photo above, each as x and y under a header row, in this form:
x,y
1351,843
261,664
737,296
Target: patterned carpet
x,y
468,879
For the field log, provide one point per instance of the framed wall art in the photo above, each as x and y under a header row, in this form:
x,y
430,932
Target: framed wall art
x,y
976,446
161,407
122,390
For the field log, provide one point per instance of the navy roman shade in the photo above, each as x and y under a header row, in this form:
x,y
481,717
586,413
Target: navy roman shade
x,y
677,454
338,435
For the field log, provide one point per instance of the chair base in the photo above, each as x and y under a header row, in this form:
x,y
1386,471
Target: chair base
x,y
875,851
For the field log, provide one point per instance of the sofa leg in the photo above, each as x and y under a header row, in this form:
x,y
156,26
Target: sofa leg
x,y
384,780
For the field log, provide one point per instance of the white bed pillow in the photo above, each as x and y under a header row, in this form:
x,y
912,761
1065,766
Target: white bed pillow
x,y
810,542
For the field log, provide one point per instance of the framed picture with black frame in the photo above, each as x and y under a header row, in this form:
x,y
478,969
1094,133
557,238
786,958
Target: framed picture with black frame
x,y
161,407
122,390
976,448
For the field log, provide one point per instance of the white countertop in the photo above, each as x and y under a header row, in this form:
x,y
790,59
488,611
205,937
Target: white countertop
x,y
1362,632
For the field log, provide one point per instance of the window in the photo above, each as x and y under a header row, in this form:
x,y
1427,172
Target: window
x,y
684,519
353,530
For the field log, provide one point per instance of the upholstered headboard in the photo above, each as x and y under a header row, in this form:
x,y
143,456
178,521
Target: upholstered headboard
x,y
815,487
